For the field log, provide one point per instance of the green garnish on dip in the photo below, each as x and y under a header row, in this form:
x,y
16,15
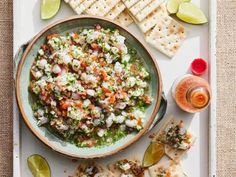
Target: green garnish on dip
x,y
89,87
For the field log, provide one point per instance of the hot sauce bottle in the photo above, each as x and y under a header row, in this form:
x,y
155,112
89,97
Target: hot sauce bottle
x,y
191,93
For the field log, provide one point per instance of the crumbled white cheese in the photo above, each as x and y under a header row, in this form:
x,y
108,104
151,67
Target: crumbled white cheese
x,y
101,132
41,52
108,58
42,120
86,103
109,120
90,92
120,39
62,127
40,112
119,119
126,58
131,123
91,78
137,92
92,36
38,74
131,81
41,83
138,114
107,46
121,105
48,68
56,69
118,67
42,63
75,64
124,49
105,85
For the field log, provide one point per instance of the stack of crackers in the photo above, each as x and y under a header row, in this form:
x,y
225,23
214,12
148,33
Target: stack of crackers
x,y
111,9
160,30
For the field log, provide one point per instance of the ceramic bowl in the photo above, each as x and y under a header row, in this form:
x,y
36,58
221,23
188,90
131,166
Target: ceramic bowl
x,y
24,97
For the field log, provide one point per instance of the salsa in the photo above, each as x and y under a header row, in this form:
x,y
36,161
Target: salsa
x,y
89,87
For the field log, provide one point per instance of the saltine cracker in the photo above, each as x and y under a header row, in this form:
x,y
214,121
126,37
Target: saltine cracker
x,y
167,36
124,19
115,11
147,10
139,6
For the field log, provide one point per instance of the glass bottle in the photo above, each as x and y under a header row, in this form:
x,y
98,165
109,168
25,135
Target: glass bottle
x,y
191,93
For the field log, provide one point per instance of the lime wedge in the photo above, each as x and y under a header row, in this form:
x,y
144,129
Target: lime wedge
x,y
173,5
49,8
190,13
153,154
38,166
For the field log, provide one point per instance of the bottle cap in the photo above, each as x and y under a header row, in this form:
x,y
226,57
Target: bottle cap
x,y
199,66
199,97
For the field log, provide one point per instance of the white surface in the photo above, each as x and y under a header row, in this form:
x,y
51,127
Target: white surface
x,y
196,162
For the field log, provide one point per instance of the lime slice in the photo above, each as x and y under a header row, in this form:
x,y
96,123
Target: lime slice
x,y
173,5
153,154
38,166
49,8
190,13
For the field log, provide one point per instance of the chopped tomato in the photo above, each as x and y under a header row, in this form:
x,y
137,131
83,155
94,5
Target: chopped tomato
x,y
76,36
119,81
105,90
98,27
103,63
98,78
121,94
146,99
94,58
49,86
64,113
52,36
95,46
44,96
64,104
83,64
91,143
91,106
103,74
83,94
112,99
44,47
79,104
95,70
139,121
131,116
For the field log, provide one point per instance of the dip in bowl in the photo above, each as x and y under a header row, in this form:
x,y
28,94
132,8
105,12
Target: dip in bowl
x,y
88,88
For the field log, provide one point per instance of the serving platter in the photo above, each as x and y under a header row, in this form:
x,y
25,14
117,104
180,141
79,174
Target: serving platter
x,y
200,42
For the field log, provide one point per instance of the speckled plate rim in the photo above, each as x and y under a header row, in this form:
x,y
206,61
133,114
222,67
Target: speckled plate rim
x,y
40,136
